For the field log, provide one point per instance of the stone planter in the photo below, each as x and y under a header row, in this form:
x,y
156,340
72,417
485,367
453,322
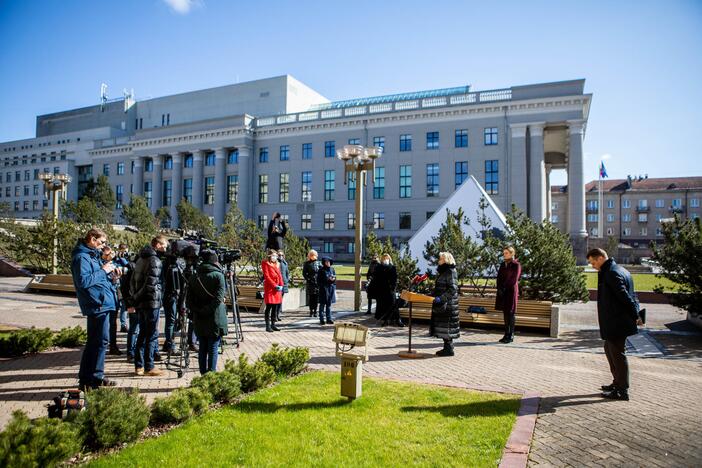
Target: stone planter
x,y
695,319
295,298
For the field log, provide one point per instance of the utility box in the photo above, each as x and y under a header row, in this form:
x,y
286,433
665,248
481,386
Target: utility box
x,y
347,336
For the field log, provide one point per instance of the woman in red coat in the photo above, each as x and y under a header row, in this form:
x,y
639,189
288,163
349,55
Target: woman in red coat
x,y
508,291
272,289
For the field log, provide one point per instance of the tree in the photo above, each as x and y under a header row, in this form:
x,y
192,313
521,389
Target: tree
x,y
139,215
296,249
405,264
549,269
451,238
241,233
193,219
679,258
163,217
95,206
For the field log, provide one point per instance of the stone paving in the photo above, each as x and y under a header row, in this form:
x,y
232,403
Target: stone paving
x,y
660,426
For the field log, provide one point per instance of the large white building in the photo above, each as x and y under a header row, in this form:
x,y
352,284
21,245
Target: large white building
x,y
270,145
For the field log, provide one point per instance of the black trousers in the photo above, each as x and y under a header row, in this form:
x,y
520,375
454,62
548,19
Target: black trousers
x,y
313,301
509,323
271,314
615,350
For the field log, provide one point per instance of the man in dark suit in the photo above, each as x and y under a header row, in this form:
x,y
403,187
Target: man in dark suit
x,y
618,316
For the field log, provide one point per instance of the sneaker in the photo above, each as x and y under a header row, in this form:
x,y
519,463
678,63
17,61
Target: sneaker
x,y
445,352
154,373
139,371
506,340
616,394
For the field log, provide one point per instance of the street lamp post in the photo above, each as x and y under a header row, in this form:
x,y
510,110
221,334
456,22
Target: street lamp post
x,y
53,184
357,160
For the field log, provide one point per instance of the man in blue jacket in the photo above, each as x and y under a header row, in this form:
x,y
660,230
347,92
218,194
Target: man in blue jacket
x,y
96,298
618,316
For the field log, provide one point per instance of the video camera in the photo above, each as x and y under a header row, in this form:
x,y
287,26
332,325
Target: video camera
x,y
194,243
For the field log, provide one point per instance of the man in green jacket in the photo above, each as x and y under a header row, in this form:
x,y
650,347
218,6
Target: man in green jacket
x,y
205,299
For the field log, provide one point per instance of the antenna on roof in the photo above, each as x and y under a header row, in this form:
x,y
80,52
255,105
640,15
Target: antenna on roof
x,y
103,96
128,99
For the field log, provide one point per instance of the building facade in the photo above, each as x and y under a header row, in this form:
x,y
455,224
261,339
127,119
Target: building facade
x,y
270,145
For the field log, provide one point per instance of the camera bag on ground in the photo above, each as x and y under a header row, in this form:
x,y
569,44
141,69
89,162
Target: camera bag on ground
x,y
67,402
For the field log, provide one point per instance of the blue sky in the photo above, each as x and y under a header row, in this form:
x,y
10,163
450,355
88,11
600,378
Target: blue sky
x,y
642,60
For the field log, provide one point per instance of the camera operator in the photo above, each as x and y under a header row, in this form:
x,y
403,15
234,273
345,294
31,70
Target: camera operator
x,y
133,317
277,228
96,298
122,260
147,293
206,291
172,281
108,256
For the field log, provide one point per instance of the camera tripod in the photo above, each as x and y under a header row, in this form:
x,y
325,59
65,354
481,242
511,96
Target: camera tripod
x,y
179,361
230,278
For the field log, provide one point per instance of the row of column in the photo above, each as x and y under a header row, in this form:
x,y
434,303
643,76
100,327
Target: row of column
x,y
244,171
530,176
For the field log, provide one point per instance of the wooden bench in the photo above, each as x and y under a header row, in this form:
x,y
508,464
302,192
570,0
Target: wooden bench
x,y
470,290
532,314
59,283
247,297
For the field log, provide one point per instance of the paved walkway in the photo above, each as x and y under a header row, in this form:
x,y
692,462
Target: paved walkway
x,y
660,426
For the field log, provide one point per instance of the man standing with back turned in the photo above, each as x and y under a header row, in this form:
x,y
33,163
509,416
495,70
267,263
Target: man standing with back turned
x,y
618,315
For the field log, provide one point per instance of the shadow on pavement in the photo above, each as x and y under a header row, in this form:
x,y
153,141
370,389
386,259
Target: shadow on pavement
x,y
550,404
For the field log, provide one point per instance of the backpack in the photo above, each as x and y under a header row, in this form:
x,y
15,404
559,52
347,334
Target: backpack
x,y
66,403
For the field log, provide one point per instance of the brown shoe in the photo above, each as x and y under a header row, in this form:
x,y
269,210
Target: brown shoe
x,y
139,371
154,373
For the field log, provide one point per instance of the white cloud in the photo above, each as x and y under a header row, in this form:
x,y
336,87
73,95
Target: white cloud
x,y
182,7
605,157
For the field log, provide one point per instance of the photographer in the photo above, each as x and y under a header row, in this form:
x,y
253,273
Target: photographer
x,y
172,281
309,271
108,256
147,293
96,298
206,291
272,289
326,278
277,228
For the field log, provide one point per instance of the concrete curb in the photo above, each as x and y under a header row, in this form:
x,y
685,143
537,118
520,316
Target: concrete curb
x,y
516,453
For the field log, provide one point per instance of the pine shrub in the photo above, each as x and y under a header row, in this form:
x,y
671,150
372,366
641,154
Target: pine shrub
x,y
222,386
252,376
112,416
40,442
32,340
179,406
70,337
286,361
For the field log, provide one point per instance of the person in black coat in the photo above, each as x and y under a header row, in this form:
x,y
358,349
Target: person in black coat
x,y
444,311
508,291
369,282
385,279
277,228
618,316
309,271
326,279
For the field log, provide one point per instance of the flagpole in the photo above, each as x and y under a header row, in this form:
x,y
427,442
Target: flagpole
x,y
599,208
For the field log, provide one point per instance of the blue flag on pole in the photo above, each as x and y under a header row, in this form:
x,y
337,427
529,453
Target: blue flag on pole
x,y
603,171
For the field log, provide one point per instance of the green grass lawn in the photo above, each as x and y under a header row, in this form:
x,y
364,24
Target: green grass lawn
x,y
304,422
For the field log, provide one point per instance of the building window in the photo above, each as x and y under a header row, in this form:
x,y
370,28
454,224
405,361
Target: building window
x,y
148,165
232,188
351,221
432,140
659,217
592,218
644,231
106,170
677,202
18,176
328,221
378,220
660,203
610,218
406,142
58,169
306,222
642,204
492,176
262,221
263,155
209,190
379,141
35,205
406,181
210,159
626,218
307,186
432,180
233,156
263,188
659,232
119,196
490,136
36,190
26,175
626,203
405,220
554,218
643,217
17,206
329,177
307,151
167,193
626,231
350,247
284,188
379,183
592,205
351,185
328,247
188,161
188,190
462,138
694,202
17,190
610,204
26,190
120,168
461,170
25,205
168,163
593,232
284,152
148,191
329,149
354,141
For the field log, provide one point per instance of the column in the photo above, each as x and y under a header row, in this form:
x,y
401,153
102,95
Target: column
x,y
246,186
198,171
576,181
548,193
138,176
518,167
157,182
176,186
537,173
220,200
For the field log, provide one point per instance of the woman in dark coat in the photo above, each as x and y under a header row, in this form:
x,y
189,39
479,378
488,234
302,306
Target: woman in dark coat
x,y
508,291
385,278
309,271
206,291
326,279
277,228
444,311
369,283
